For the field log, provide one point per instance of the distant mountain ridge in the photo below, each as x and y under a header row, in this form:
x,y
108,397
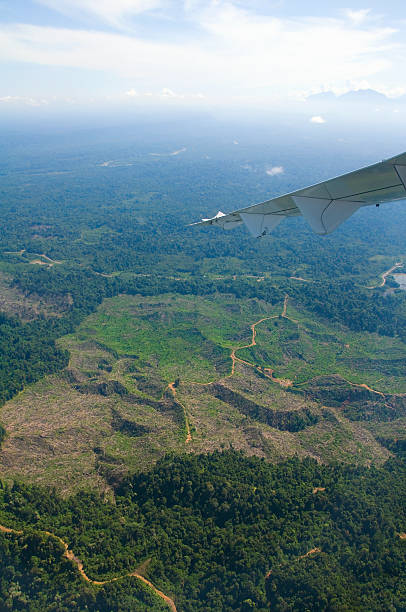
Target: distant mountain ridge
x,y
358,96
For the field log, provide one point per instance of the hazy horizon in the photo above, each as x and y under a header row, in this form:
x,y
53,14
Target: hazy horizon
x,y
219,56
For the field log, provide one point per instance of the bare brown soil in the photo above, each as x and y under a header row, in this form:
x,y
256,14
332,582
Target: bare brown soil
x,y
48,261
51,261
14,252
385,275
54,428
364,386
313,551
27,307
8,530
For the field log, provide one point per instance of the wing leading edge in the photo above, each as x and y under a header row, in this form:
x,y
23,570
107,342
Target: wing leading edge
x,y
325,205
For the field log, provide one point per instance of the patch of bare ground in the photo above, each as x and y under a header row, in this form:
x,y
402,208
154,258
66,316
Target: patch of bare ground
x,y
107,415
143,567
219,423
264,391
318,490
4,529
44,260
313,551
283,382
338,438
402,536
59,436
384,275
49,260
27,308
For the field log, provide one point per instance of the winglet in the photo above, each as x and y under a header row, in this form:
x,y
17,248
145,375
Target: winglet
x,y
209,221
222,220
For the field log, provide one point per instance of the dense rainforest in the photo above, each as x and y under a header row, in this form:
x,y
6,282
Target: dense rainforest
x,y
216,532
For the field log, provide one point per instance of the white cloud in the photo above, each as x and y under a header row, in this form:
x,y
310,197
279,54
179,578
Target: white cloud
x,y
168,93
275,170
357,17
165,92
317,119
24,100
235,55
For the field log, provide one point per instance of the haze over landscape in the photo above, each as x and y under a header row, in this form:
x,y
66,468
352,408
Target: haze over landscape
x,y
194,419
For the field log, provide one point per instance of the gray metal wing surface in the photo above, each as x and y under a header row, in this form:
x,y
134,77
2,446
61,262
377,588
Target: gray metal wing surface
x,y
325,205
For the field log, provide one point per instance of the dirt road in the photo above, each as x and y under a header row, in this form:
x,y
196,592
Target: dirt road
x,y
384,275
313,551
69,554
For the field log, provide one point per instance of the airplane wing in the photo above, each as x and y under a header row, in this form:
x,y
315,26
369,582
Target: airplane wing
x,y
325,205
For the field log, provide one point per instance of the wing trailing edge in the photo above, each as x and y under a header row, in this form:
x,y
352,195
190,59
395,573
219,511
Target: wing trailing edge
x,y
325,205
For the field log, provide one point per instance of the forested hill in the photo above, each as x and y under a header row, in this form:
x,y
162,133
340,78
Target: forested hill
x,y
215,532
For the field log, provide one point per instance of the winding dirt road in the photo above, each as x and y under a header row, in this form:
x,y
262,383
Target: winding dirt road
x,y
253,342
313,551
384,275
267,372
69,554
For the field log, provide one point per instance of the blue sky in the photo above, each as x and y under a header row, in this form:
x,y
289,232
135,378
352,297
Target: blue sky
x,y
227,53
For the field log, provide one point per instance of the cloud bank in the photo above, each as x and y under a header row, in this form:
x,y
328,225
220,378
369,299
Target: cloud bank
x,y
221,50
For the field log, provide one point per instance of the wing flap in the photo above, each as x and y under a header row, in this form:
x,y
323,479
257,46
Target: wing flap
x,y
323,215
260,225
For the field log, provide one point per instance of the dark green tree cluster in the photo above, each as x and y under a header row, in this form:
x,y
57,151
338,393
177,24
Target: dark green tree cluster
x,y
27,352
36,577
359,309
227,532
